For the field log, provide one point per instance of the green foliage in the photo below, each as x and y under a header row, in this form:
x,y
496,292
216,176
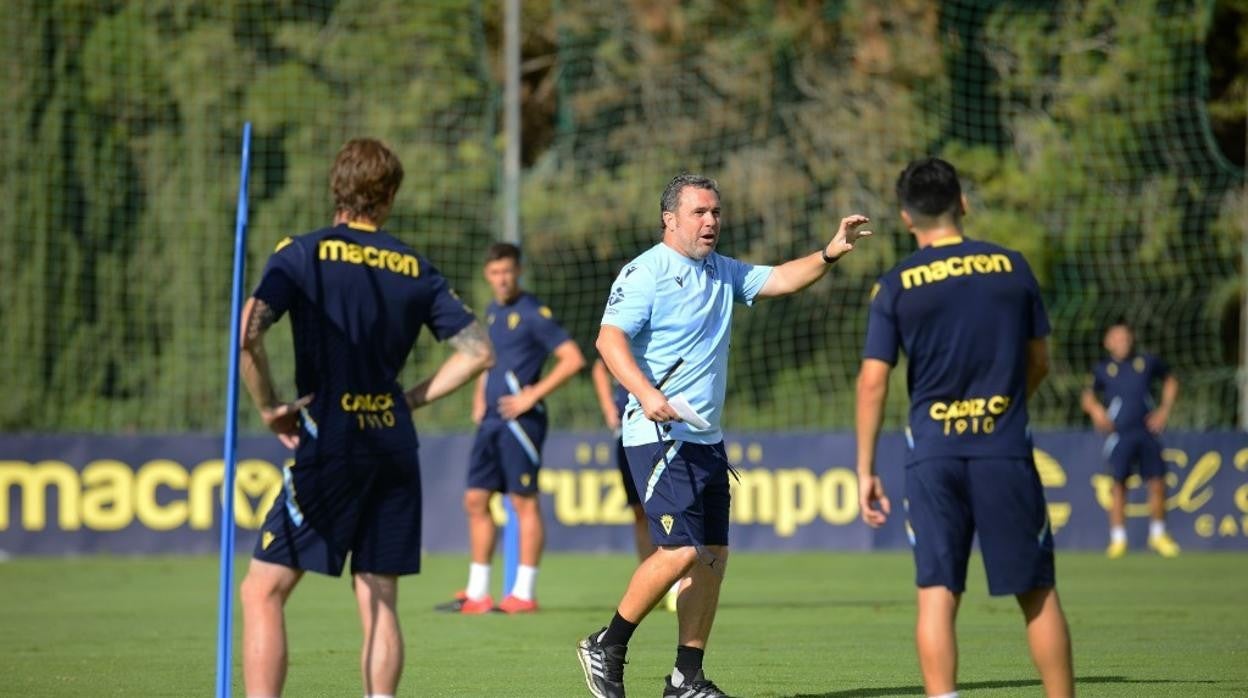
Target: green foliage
x,y
1078,126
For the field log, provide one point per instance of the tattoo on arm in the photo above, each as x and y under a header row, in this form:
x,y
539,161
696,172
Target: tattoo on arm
x,y
472,340
262,318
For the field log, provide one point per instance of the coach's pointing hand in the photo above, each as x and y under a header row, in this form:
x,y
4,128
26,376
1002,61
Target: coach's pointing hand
x,y
847,235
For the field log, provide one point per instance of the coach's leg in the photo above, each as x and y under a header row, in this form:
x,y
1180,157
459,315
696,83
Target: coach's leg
x,y
264,592
1049,638
381,658
699,597
654,576
937,640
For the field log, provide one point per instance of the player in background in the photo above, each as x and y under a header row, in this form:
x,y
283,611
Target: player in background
x,y
612,401
969,317
511,417
357,299
1120,404
665,335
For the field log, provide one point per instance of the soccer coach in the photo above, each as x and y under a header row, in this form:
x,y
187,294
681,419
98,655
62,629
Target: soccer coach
x,y
665,334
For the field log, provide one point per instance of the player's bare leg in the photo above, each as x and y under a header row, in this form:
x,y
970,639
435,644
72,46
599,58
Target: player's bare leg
x,y
1118,504
532,530
1157,498
937,640
264,592
381,658
481,529
699,598
653,577
1049,639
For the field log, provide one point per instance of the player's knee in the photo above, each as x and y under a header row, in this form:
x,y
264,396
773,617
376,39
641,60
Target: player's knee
x,y
477,502
257,590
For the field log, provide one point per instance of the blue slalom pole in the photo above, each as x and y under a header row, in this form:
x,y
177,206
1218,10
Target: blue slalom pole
x,y
225,597
511,546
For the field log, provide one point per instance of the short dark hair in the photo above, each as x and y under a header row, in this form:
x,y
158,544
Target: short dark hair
x,y
1119,321
671,194
928,189
364,179
502,250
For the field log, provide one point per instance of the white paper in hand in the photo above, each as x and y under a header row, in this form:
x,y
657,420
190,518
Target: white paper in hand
x,y
690,416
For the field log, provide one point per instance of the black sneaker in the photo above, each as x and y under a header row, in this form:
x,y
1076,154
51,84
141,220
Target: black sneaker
x,y
603,666
696,686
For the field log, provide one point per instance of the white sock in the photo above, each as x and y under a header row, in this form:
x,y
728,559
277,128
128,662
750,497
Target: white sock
x,y
1118,534
526,577
954,694
1156,528
378,695
678,679
478,581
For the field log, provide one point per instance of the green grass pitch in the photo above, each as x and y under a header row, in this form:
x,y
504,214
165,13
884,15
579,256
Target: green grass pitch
x,y
810,624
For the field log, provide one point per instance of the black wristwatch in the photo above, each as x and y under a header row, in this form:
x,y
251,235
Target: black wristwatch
x,y
826,259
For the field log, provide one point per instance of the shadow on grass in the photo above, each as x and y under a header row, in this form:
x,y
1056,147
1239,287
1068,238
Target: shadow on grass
x,y
1027,683
778,604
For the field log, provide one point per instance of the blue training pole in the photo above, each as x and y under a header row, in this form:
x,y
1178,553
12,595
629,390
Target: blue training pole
x,y
225,597
511,545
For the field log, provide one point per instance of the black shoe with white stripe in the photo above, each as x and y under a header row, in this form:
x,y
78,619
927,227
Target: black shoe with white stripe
x,y
603,666
696,686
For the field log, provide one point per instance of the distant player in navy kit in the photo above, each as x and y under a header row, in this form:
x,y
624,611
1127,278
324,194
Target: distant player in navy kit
x,y
357,299
969,317
512,421
1131,423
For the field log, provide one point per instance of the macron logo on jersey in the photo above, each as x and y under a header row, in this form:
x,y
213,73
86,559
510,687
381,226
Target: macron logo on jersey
x,y
942,269
367,255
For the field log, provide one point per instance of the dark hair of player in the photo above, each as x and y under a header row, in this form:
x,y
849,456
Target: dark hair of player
x,y
364,179
928,189
502,250
671,194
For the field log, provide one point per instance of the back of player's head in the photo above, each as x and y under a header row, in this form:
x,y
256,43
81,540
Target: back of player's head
x,y
671,194
364,179
502,250
928,190
1119,322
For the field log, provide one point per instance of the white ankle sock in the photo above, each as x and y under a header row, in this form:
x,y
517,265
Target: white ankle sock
x,y
1117,534
478,581
946,695
1156,528
526,578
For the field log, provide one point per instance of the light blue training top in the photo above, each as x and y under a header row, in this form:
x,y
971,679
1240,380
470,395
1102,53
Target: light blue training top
x,y
674,307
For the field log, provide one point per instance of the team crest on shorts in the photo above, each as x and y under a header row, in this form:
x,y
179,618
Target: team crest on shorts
x,y
525,479
667,520
266,540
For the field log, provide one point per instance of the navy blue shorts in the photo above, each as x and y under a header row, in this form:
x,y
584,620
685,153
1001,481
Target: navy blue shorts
x,y
949,500
626,473
1127,450
506,455
329,507
684,490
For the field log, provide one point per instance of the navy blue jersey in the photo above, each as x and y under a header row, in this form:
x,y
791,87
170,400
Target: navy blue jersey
x,y
357,300
963,311
1126,388
524,333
